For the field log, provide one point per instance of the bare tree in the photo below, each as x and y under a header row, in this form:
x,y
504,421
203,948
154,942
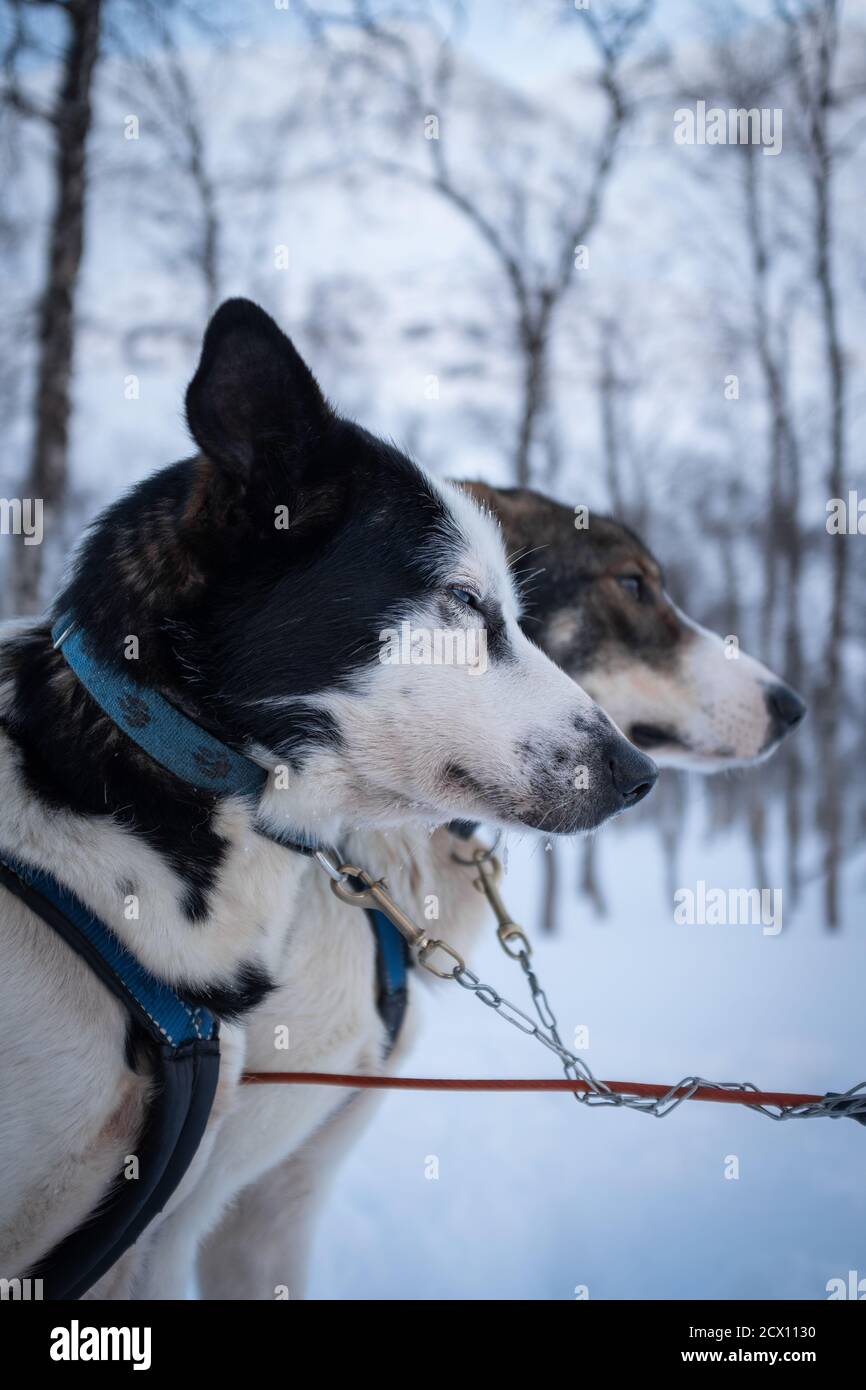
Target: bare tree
x,y
813,39
588,880
499,211
782,542
69,118
793,65
537,292
182,194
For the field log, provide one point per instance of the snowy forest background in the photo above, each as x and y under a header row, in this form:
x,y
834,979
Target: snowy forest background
x,y
404,186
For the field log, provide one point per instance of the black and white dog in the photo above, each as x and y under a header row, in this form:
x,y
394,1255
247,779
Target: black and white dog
x,y
243,593
596,602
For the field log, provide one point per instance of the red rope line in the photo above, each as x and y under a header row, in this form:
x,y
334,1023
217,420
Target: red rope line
x,y
439,1083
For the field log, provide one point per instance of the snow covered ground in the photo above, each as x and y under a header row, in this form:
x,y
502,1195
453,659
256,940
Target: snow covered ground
x,y
537,1195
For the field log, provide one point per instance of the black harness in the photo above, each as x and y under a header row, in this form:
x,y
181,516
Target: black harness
x,y
182,1045
182,1042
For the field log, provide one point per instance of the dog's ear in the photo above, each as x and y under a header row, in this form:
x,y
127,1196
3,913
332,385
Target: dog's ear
x,y
483,493
253,399
514,507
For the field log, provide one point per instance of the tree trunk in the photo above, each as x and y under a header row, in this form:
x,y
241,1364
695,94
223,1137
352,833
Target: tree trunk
x,y
588,883
610,406
47,475
533,344
782,531
758,841
832,711
549,890
776,404
833,701
210,228
818,98
795,770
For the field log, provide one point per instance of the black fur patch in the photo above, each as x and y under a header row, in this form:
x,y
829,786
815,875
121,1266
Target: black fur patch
x,y
499,648
74,758
231,999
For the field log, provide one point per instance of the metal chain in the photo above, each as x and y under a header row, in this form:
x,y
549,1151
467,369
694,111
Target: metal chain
x,y
515,943
516,946
547,1017
851,1103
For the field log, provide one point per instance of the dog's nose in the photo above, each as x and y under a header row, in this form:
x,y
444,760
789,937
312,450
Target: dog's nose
x,y
634,774
786,708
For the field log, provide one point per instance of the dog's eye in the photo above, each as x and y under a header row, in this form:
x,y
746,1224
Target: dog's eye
x,y
464,596
632,583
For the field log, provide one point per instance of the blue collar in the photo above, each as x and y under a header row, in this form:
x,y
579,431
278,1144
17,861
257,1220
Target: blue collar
x,y
159,728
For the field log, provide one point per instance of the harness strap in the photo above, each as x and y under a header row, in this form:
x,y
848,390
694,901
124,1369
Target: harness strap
x,y
182,1040
393,961
184,1047
162,1013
